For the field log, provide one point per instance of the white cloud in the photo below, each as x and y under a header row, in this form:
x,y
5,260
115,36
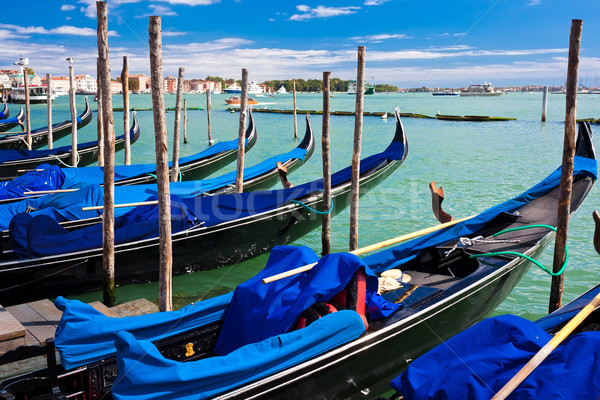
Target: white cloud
x,y
61,30
534,2
173,33
67,7
191,2
321,12
375,2
379,38
157,9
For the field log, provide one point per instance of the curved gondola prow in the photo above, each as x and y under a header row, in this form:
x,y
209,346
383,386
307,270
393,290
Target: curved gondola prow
x,y
86,116
5,113
585,146
251,135
308,141
135,131
399,136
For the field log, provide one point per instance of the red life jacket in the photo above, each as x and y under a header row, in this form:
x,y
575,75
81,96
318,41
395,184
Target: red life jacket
x,y
352,297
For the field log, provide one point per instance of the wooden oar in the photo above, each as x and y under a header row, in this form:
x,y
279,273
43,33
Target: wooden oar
x,y
35,192
141,203
369,248
545,351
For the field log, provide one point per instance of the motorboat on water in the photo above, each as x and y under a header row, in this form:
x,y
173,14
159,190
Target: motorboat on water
x,y
37,94
447,92
369,89
234,88
487,90
237,100
282,90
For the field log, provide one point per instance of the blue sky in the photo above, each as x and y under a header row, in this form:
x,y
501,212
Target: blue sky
x,y
410,43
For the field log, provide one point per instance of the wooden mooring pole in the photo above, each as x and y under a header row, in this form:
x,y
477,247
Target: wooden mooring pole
x,y
125,87
295,114
99,119
545,104
358,124
177,127
49,109
162,168
72,106
326,229
239,178
27,109
566,177
108,217
208,107
185,121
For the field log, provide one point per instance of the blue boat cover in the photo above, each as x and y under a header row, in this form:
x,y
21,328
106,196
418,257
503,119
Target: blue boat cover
x,y
476,363
148,375
259,311
44,236
398,255
11,120
49,178
85,335
57,204
208,210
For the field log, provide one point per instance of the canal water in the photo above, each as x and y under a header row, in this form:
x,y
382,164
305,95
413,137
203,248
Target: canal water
x,y
477,163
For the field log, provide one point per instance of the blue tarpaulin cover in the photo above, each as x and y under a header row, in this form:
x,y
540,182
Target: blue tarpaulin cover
x,y
476,363
50,178
44,236
259,311
57,204
145,374
85,335
209,211
400,254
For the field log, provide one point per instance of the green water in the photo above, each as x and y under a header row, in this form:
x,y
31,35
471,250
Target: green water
x,y
478,164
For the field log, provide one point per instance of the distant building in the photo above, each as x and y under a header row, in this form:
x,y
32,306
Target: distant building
x,y
170,84
60,83
138,83
200,86
85,84
116,87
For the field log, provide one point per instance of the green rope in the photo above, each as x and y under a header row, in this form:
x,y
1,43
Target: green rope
x,y
312,209
152,175
514,253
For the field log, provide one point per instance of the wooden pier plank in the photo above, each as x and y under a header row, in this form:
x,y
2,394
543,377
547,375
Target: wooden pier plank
x,y
10,327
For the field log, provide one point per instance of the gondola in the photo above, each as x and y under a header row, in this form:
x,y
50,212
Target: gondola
x,y
5,113
14,162
336,356
193,167
9,123
66,207
213,231
504,345
39,136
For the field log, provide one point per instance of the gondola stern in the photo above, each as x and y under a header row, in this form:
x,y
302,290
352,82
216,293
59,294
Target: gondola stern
x,y
135,130
308,141
251,134
585,146
400,135
86,116
5,113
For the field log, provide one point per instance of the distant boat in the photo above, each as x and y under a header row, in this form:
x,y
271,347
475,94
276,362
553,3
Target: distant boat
x,y
254,88
215,91
282,90
446,93
369,89
236,101
487,90
37,94
233,89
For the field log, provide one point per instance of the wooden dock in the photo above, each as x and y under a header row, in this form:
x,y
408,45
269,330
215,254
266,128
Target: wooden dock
x,y
33,323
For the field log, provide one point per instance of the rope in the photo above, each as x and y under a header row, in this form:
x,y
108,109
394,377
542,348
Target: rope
x,y
514,253
63,163
312,209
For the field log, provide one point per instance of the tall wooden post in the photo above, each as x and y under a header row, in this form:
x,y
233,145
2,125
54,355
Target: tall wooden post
x,y
545,104
566,177
358,123
108,218
208,107
295,116
162,168
100,118
239,179
74,154
326,229
185,121
27,110
49,109
177,127
125,87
